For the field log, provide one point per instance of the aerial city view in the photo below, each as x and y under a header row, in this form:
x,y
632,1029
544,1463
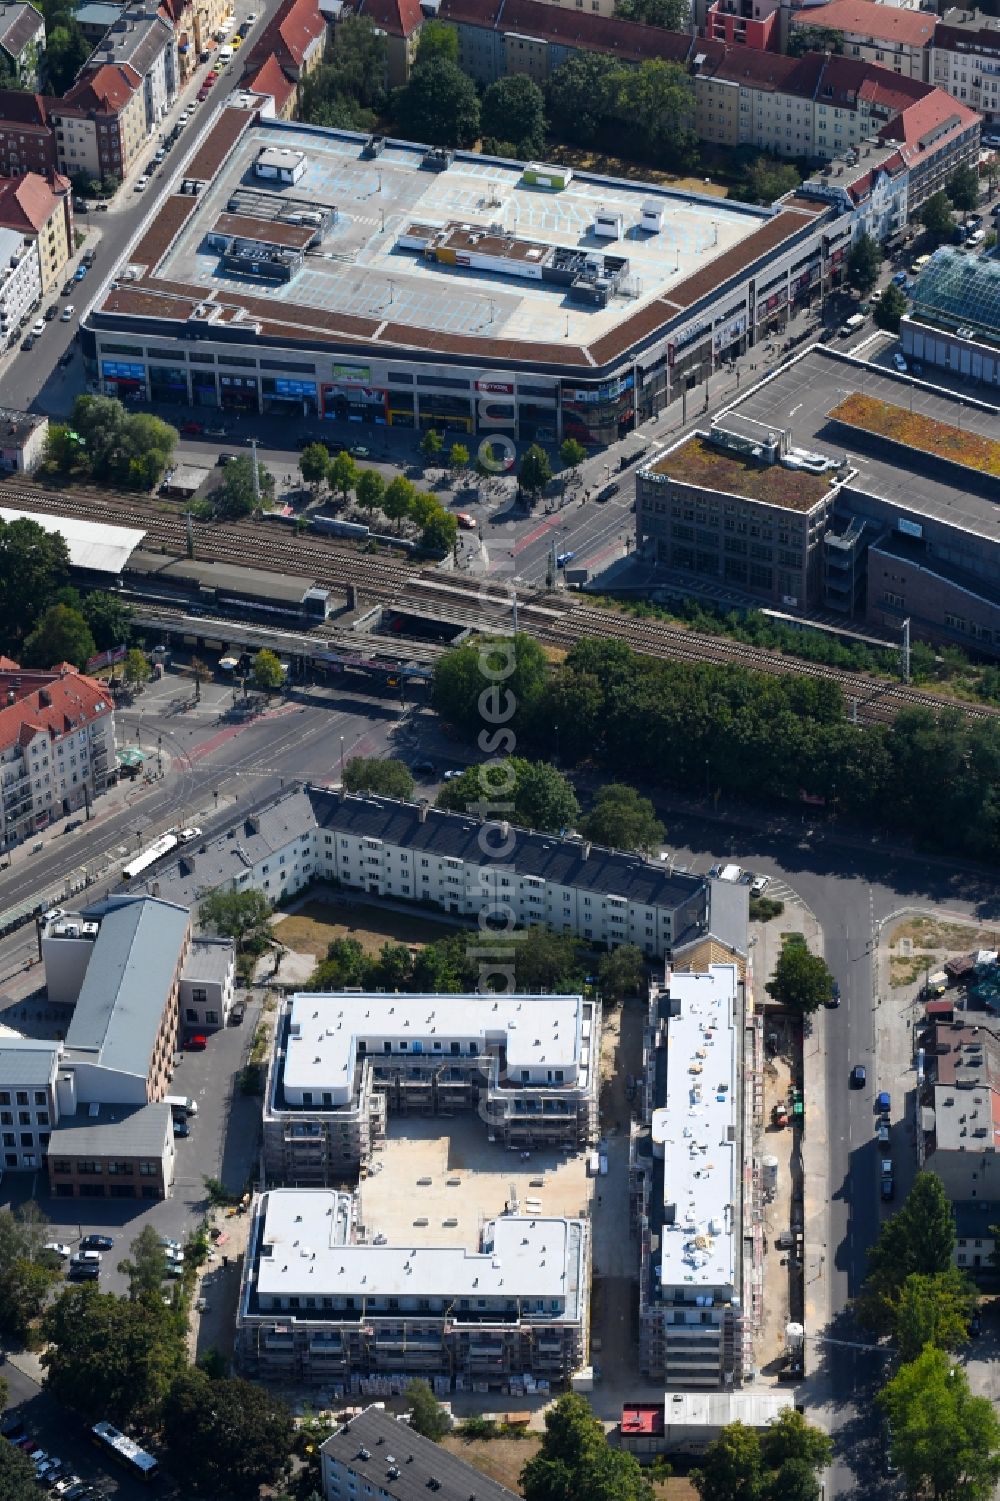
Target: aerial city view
x,y
499,750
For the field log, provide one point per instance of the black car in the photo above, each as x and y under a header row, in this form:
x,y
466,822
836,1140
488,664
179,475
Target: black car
x,y
74,823
237,1012
181,1128
97,1243
608,491
84,1271
226,458
52,311
28,343
66,358
834,993
68,287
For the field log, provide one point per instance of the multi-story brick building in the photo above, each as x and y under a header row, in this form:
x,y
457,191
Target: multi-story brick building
x,y
27,140
57,746
342,1064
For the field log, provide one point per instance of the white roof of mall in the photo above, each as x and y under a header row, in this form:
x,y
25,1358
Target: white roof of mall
x,y
541,1032
700,1131
529,1258
91,545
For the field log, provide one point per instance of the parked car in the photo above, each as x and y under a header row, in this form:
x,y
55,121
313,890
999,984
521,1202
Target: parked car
x,y
73,825
141,184
84,1271
97,1243
192,428
883,1103
28,343
181,1128
170,1245
359,451
900,363
58,1248
85,1258
608,491
52,311
834,993
237,1012
196,1043
159,155
67,313
186,835
450,776
67,288
80,273
759,885
858,1076
564,558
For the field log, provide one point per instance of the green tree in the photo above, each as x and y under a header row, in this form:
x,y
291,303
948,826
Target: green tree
x,y
945,1440
801,980
370,489
514,110
580,96
109,618
349,88
439,531
431,443
268,673
398,498
144,1266
62,635
535,471
439,105
962,188
427,1415
576,1463
815,39
17,1475
790,1437
864,264
766,179
458,458
437,39
934,1310
890,308
235,498
542,798
387,778
510,672
239,915
66,51
343,474
314,465
672,15
732,1469
918,1239
621,972
346,964
935,215
33,565
795,1480
656,100
109,1357
136,668
226,1437
572,453
623,820
25,1284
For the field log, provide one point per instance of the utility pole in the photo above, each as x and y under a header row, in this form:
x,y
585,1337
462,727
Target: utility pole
x,y
256,474
905,650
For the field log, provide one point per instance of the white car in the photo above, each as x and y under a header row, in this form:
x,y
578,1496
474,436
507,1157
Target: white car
x,y
186,835
38,327
67,313
759,885
170,1245
87,1258
450,776
141,184
900,363
61,1486
58,1248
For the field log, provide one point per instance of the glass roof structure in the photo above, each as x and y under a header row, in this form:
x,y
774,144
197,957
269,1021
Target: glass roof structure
x,y
961,291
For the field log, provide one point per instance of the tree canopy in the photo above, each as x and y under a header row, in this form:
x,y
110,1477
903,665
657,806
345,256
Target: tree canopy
x,y
225,1437
268,673
540,798
427,1415
62,635
766,178
780,1464
236,914
110,1357
621,972
535,471
801,980
314,465
962,188
349,88
513,113
890,308
107,442
933,1310
385,777
144,1265
672,15
439,105
17,1475
33,565
945,1440
576,1463
864,264
235,497
592,98
935,215
919,1239
26,1275
623,820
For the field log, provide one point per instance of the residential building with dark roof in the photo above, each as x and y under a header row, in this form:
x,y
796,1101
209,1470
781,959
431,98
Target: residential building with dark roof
x,y
27,139
376,1453
22,41
113,1152
22,434
57,747
142,39
965,61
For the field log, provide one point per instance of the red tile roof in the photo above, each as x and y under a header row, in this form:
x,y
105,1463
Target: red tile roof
x,y
26,203
927,123
287,37
396,17
63,704
107,90
27,110
629,40
270,79
888,23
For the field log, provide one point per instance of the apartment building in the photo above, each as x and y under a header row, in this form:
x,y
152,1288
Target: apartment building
x,y
966,61
377,1454
205,994
22,434
961,1114
280,59
20,287
320,1304
526,1064
895,38
142,40
22,42
27,140
57,747
413,852
687,1177
400,21
110,1152
41,209
100,123
29,1109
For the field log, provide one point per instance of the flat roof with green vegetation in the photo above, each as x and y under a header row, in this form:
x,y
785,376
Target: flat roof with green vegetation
x,y
698,462
917,430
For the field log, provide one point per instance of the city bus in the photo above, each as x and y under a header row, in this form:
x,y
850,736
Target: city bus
x,y
123,1449
149,856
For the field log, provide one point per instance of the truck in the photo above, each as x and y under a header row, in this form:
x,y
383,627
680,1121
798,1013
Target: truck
x,y
733,873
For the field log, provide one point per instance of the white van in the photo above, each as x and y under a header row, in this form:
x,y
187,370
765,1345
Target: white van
x,y
180,1104
225,55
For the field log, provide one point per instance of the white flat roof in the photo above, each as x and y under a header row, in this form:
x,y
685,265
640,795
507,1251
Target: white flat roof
x,y
700,1131
531,1257
91,544
753,1406
541,1033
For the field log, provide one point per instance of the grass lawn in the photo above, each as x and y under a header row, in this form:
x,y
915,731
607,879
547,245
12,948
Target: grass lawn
x,y
504,1458
311,928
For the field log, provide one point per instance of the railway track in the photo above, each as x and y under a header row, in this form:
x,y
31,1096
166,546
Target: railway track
x,y
559,621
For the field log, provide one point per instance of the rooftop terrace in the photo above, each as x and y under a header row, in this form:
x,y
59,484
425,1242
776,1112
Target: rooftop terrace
x,y
698,462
